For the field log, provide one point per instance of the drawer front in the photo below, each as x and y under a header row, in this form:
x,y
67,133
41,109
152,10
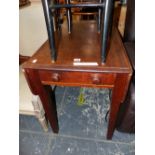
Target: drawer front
x,y
76,78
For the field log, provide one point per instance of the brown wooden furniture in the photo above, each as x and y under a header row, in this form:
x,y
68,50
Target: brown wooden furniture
x,y
22,58
24,3
115,74
126,119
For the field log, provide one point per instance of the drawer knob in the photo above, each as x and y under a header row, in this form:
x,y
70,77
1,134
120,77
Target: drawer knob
x,y
96,80
56,77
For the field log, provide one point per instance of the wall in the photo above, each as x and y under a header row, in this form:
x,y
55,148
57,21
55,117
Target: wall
x,y
32,28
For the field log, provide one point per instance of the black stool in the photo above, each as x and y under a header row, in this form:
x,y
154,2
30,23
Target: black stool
x,y
105,10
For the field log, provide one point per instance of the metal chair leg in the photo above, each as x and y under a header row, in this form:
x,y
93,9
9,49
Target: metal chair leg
x,y
99,18
106,18
69,17
50,28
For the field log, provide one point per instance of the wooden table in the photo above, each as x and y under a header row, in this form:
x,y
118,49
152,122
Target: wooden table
x,y
72,68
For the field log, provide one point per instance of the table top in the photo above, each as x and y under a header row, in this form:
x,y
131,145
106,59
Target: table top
x,y
80,51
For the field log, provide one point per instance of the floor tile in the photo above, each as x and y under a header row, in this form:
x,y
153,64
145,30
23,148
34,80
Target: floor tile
x,y
29,123
59,94
82,127
114,149
123,137
87,120
33,144
71,146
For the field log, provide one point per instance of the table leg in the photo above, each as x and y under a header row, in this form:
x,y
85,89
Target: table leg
x,y
46,95
118,95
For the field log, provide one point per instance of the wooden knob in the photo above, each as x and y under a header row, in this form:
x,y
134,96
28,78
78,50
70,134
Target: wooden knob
x,y
56,77
96,80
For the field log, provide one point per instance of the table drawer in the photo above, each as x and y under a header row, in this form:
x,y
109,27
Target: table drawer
x,y
76,78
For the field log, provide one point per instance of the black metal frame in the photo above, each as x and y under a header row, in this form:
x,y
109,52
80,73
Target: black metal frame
x,y
105,10
50,27
69,16
107,19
